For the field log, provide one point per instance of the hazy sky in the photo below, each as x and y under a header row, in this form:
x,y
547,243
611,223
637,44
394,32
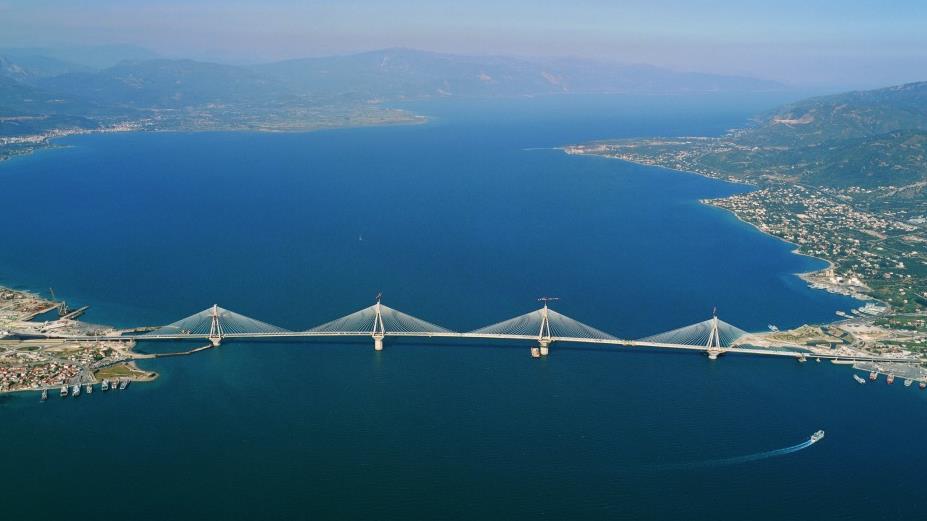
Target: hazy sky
x,y
820,42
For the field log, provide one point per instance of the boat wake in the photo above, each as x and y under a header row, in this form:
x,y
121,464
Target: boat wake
x,y
740,459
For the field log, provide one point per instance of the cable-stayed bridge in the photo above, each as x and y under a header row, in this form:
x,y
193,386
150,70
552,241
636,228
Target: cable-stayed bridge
x,y
541,327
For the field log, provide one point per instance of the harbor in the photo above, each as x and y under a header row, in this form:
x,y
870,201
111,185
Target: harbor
x,y
87,389
907,373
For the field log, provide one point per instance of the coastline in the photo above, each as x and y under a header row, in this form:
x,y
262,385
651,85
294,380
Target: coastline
x,y
706,202
807,276
810,277
867,329
45,141
33,361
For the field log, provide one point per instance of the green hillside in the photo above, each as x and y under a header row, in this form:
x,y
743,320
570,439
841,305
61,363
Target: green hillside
x,y
866,139
852,115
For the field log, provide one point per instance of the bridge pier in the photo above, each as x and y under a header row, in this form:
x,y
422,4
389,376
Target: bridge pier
x,y
378,342
544,347
713,354
215,340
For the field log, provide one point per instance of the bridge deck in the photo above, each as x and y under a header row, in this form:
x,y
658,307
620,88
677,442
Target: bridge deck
x,y
491,336
544,326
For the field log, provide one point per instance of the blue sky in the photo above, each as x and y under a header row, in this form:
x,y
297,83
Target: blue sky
x,y
823,42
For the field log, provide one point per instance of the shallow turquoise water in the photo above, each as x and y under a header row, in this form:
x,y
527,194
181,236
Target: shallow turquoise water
x,y
462,226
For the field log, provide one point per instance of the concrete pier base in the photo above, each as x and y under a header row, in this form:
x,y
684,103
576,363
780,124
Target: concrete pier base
x,y
215,341
713,355
544,348
378,343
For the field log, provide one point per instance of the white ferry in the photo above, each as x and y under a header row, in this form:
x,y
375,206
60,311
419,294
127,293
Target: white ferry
x,y
88,388
105,385
75,391
816,437
64,391
858,379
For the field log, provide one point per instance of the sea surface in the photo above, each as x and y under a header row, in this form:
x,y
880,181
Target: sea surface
x,y
463,221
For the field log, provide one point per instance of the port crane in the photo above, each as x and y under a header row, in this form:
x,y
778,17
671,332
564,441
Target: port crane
x,y
63,308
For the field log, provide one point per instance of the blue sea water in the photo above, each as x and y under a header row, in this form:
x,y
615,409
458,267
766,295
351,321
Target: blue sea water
x,y
463,221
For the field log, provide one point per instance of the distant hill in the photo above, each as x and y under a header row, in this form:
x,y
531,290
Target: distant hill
x,y
17,99
92,57
396,74
404,73
860,114
27,68
112,85
28,110
896,158
869,139
865,138
166,84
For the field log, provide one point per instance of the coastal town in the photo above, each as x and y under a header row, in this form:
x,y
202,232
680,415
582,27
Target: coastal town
x,y
32,359
876,254
18,145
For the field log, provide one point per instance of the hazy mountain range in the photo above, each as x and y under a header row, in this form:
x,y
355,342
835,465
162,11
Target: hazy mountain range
x,y
863,138
107,84
386,74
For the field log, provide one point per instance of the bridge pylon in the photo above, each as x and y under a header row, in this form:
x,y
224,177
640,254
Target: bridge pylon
x,y
544,336
379,330
714,339
215,329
